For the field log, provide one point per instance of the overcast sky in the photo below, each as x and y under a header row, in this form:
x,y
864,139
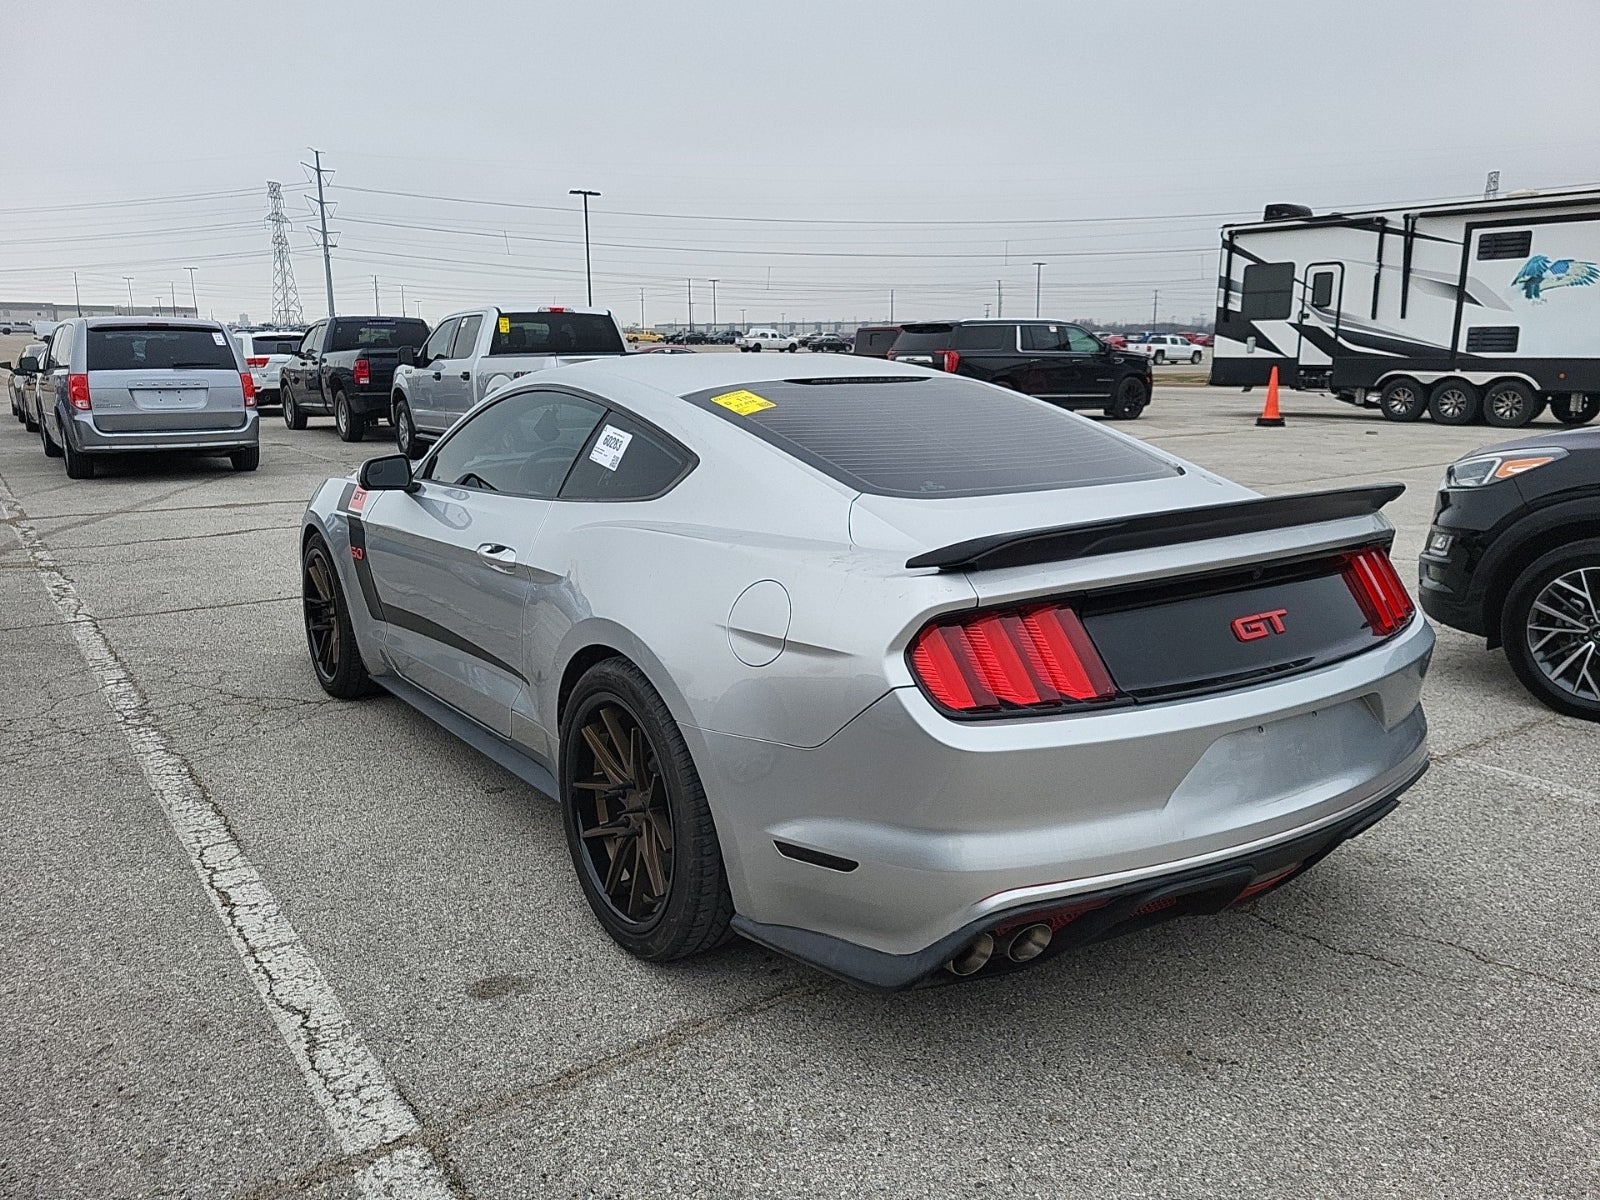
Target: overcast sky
x,y
811,157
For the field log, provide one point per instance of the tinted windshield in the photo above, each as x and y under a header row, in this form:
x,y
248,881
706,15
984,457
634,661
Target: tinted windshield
x,y
925,337
931,437
556,333
378,333
287,343
131,348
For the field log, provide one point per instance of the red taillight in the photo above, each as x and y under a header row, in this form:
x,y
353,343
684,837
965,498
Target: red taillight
x,y
249,386
1034,658
256,360
1376,585
946,360
78,392
553,308
363,372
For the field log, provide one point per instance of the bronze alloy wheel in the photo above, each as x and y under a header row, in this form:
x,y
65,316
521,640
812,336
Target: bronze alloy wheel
x,y
619,801
322,615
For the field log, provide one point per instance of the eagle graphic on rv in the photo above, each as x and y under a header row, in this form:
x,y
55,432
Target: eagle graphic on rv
x,y
1541,274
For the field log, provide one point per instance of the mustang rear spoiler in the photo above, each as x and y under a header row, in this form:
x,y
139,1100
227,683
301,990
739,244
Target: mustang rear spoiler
x,y
1157,529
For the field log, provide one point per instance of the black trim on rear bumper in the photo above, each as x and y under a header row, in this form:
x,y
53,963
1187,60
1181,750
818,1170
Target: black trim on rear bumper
x,y
1114,911
1255,515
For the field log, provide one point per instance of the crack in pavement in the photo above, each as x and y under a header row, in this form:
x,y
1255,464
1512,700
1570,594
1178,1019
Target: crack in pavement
x,y
434,1136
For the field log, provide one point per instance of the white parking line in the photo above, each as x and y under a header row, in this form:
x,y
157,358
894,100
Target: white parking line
x,y
362,1106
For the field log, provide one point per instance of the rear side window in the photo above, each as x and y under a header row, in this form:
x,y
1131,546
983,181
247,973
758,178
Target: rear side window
x,y
1268,292
467,337
626,460
875,341
986,337
1067,338
129,348
556,333
524,445
378,334
931,437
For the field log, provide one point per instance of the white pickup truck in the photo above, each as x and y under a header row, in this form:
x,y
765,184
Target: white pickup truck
x,y
1166,347
470,354
767,339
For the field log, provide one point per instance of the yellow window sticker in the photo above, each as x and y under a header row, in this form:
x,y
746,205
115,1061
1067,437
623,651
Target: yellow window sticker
x,y
505,324
742,402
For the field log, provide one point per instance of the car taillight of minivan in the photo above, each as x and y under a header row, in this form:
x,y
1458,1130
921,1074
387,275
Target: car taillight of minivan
x,y
1037,658
78,392
363,372
249,386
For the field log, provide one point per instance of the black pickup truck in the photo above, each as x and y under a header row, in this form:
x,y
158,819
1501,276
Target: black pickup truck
x,y
344,367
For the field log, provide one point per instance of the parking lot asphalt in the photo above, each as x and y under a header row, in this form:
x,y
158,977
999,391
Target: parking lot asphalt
x,y
1416,1017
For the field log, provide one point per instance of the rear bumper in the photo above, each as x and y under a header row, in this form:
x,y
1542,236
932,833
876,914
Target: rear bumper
x,y
369,402
87,439
926,827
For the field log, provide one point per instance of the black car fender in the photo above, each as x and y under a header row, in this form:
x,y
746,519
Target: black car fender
x,y
1536,532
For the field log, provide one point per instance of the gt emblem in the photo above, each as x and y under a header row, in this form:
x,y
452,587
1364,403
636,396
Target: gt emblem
x,y
1259,625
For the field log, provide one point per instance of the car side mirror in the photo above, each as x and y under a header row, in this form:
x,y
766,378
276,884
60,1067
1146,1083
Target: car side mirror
x,y
407,356
17,370
391,473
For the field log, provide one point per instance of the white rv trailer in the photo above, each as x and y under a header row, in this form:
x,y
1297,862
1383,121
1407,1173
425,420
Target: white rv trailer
x,y
1479,309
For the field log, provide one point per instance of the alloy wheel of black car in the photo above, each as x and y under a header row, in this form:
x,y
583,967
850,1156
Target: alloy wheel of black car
x,y
1510,404
1402,400
1576,409
329,635
1551,629
1454,402
1129,401
638,826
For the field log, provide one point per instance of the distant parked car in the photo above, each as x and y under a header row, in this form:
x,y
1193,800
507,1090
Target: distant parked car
x,y
828,343
21,383
723,337
766,338
874,341
666,350
1115,340
1053,361
265,353
643,335
117,385
1165,348
344,366
1198,339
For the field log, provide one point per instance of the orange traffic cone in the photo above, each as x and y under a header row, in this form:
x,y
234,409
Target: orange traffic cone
x,y
1270,414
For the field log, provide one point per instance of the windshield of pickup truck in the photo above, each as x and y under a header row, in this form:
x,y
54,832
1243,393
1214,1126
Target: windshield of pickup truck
x,y
556,333
376,333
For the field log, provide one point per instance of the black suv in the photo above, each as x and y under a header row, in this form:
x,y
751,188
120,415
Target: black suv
x,y
1064,364
1514,556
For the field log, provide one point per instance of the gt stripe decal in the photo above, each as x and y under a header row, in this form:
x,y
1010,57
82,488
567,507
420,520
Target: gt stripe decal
x,y
358,553
416,623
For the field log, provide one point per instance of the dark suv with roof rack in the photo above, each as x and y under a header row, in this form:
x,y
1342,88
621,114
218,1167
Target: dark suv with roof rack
x,y
1063,364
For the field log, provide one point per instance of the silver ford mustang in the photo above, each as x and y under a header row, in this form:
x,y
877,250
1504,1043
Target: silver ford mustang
x,y
902,674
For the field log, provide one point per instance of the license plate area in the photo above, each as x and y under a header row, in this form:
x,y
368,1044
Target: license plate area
x,y
168,399
1176,644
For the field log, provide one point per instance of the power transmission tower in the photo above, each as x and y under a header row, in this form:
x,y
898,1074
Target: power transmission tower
x,y
320,230
1491,186
285,295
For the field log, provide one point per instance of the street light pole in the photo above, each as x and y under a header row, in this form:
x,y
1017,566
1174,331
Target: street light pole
x,y
194,297
377,308
713,304
588,273
128,279
690,284
76,298
172,295
1038,285
999,298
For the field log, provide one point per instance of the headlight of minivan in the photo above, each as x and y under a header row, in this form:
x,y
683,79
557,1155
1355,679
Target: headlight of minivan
x,y
1482,469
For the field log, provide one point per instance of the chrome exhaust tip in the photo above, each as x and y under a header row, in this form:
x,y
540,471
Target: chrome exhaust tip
x,y
1028,943
974,958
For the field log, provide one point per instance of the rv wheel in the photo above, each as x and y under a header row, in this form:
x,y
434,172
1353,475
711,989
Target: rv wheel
x,y
1402,400
1510,404
1454,402
1575,408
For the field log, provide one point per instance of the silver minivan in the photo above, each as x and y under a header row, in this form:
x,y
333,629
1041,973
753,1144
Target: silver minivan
x,y
117,385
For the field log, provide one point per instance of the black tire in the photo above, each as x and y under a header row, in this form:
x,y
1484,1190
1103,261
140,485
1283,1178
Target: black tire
x,y
1195,357
1129,400
1454,402
405,432
352,425
330,638
28,422
1510,404
756,349
1576,408
691,912
79,465
247,459
51,450
292,416
1574,646
1403,399
1160,357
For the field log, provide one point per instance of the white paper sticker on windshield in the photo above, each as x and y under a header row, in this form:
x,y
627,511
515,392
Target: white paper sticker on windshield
x,y
218,338
610,446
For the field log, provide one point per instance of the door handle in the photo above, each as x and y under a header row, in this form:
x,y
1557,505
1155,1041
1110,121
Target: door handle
x,y
501,558
436,375
466,374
